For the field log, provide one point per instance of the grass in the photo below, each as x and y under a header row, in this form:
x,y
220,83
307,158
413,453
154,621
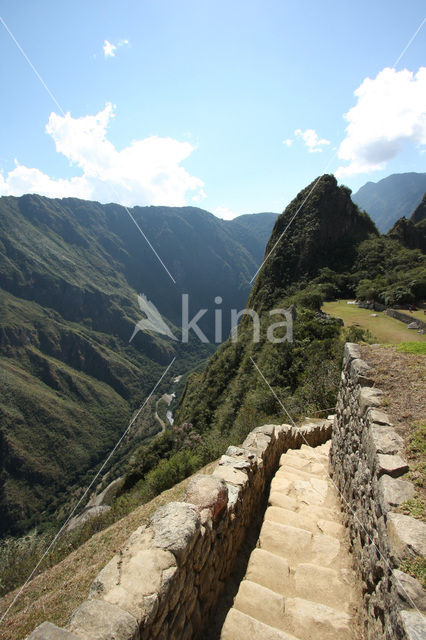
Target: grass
x,y
386,330
412,347
415,567
54,594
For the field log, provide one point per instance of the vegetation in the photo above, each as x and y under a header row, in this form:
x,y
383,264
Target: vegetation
x,y
380,327
416,567
71,271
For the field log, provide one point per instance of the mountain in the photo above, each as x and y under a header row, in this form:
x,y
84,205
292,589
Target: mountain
x,y
70,274
392,198
253,230
230,395
419,213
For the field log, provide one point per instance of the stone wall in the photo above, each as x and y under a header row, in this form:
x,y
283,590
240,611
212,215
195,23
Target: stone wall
x,y
166,581
405,317
367,462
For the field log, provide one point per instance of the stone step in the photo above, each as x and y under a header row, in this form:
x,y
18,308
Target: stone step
x,y
306,518
299,617
240,626
327,586
299,545
288,468
311,466
316,491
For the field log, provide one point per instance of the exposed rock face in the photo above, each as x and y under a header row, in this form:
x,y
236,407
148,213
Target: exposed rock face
x,y
367,460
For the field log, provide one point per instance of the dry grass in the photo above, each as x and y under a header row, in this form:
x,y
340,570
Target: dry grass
x,y
402,377
55,593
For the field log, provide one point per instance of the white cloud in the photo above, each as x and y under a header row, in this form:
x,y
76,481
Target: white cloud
x,y
390,112
110,49
224,213
288,142
147,171
311,140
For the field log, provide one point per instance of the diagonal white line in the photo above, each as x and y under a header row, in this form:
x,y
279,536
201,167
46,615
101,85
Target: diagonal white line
x,y
51,545
329,162
409,42
316,183
32,66
63,113
342,497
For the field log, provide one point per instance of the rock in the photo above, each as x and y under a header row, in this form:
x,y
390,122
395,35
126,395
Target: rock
x,y
414,624
407,536
361,372
413,325
208,492
385,440
352,351
107,495
410,592
85,516
231,475
176,526
391,465
48,631
393,492
369,397
131,579
99,620
379,417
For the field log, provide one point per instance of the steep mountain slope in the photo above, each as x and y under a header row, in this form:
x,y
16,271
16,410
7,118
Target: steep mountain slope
x,y
229,394
392,198
419,213
70,274
253,230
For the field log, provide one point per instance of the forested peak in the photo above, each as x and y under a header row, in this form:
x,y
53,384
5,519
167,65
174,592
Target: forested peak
x,y
320,228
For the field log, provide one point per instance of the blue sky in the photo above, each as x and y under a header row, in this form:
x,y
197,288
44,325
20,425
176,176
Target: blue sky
x,y
197,102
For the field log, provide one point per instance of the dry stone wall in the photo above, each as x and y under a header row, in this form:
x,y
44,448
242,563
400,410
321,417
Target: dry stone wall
x,y
367,464
166,581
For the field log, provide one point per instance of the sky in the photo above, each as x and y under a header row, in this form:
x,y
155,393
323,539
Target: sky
x,y
232,106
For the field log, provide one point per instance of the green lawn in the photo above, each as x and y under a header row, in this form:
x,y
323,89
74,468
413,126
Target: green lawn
x,y
386,330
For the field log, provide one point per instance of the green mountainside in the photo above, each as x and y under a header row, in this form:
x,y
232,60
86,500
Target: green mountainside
x,y
70,274
331,250
394,197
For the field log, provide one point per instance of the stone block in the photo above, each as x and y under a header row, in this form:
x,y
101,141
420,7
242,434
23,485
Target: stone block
x,y
393,492
99,620
208,492
352,351
176,527
49,631
407,536
369,397
231,475
392,465
384,440
414,624
410,592
135,580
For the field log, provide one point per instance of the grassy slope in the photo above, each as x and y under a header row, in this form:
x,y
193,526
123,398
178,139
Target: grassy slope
x,y
55,593
385,329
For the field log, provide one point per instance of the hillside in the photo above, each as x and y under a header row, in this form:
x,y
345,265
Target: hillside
x,y
70,274
392,198
229,394
332,250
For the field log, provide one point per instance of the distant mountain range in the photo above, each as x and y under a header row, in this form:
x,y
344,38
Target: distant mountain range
x,y
70,272
392,198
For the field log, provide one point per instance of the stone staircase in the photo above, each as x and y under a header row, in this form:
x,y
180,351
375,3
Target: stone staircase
x,y
299,582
